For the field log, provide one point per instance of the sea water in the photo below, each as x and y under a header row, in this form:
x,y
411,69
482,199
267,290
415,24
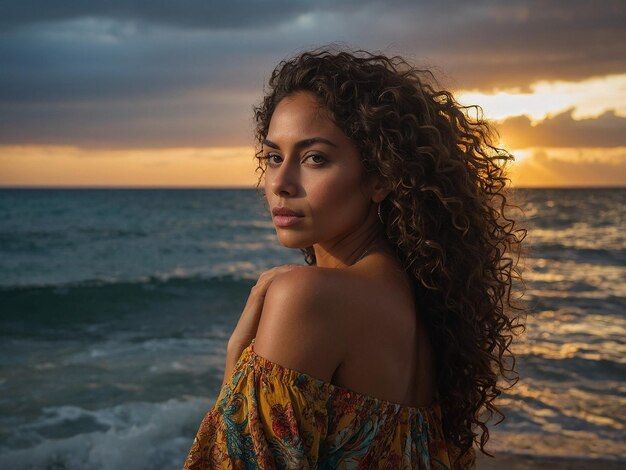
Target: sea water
x,y
116,306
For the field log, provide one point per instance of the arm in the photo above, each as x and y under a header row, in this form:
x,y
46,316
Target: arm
x,y
248,323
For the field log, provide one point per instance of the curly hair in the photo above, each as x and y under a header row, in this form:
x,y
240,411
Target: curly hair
x,y
445,213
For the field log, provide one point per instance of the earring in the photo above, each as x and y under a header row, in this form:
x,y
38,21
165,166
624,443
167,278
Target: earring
x,y
379,215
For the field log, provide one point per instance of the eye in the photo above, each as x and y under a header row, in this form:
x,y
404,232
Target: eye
x,y
321,159
268,157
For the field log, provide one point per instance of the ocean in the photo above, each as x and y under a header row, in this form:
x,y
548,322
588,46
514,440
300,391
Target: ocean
x,y
116,306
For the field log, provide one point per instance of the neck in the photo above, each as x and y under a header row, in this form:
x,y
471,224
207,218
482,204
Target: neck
x,y
347,252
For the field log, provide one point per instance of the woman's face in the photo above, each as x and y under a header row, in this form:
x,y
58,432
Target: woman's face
x,y
314,170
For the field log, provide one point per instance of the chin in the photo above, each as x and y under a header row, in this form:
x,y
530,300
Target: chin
x,y
289,241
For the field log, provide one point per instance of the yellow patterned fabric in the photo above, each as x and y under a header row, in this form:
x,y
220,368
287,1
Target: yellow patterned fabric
x,y
270,417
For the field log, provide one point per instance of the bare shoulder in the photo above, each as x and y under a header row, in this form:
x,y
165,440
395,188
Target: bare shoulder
x,y
301,326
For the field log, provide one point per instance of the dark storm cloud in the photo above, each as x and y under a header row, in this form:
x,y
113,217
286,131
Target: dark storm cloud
x,y
220,14
102,73
183,13
97,60
489,45
606,130
199,120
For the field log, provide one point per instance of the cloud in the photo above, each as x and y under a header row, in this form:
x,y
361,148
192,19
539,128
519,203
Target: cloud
x,y
495,45
589,98
200,118
571,167
155,73
562,130
188,13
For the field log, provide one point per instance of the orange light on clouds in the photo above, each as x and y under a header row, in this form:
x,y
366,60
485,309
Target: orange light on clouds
x,y
34,165
569,167
589,98
69,166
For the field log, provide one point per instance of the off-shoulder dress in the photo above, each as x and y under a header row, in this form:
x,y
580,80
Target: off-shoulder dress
x,y
271,417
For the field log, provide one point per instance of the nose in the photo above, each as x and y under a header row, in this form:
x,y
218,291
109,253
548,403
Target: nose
x,y
284,179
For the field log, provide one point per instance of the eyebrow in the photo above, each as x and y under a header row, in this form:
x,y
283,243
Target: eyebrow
x,y
302,143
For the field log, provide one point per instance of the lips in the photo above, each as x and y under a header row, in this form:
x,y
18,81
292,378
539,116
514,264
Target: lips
x,y
283,211
284,217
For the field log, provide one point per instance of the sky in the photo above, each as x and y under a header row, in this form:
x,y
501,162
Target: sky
x,y
159,93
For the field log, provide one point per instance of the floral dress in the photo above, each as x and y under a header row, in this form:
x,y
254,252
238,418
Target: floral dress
x,y
271,417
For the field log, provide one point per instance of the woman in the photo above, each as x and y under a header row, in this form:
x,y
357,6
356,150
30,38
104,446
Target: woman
x,y
385,349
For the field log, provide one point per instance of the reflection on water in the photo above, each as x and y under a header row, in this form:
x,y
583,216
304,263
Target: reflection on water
x,y
571,396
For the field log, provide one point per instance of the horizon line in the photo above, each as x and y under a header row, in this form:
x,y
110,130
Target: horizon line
x,y
254,187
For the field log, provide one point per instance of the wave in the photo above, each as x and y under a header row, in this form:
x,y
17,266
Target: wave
x,y
176,277
581,368
136,435
564,252
29,310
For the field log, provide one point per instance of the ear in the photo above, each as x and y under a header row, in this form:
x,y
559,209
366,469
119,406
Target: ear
x,y
379,188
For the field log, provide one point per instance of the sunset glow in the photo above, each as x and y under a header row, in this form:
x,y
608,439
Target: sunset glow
x,y
150,96
588,98
66,166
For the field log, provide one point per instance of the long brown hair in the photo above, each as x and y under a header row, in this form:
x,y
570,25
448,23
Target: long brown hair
x,y
445,213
